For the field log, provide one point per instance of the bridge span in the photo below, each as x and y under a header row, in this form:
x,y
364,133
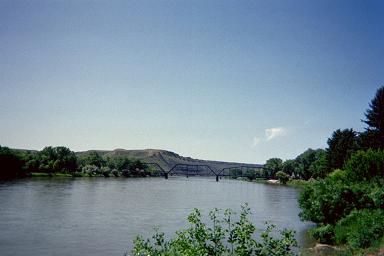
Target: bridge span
x,y
245,171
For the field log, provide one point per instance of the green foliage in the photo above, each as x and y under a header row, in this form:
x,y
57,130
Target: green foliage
x,y
289,166
282,177
272,166
309,164
248,173
252,174
377,195
349,203
223,237
56,159
11,164
92,158
338,174
235,173
324,234
329,200
319,168
364,165
360,228
375,114
340,147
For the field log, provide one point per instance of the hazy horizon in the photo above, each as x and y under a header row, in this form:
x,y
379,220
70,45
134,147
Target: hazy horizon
x,y
238,81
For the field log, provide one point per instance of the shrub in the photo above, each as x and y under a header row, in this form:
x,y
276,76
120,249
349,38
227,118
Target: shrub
x,y
329,200
325,201
324,234
282,177
377,195
224,237
338,175
364,165
360,228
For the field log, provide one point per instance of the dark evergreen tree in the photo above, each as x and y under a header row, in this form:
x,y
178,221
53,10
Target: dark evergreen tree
x,y
340,147
374,135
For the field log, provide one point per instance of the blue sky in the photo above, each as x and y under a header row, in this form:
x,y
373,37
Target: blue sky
x,y
222,80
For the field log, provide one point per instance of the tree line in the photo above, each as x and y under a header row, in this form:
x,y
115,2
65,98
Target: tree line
x,y
345,192
343,143
52,160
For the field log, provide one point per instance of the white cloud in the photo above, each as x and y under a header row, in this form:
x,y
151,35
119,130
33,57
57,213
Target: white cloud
x,y
275,132
270,134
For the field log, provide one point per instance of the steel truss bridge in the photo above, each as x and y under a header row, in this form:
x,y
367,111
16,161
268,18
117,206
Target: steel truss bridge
x,y
206,170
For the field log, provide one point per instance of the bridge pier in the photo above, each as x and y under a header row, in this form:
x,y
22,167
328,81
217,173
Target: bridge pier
x,y
166,175
217,178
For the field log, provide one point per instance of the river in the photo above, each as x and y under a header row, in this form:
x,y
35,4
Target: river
x,y
98,216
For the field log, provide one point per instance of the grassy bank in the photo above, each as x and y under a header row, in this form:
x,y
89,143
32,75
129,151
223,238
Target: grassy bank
x,y
297,183
60,175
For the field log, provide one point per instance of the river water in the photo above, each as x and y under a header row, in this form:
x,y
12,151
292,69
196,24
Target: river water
x,y
98,216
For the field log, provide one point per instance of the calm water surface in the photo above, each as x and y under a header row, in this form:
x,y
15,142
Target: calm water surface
x,y
97,216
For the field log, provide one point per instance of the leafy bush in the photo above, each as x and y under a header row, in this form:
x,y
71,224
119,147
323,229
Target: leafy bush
x,y
364,165
224,237
338,175
377,195
360,228
282,177
325,201
324,234
329,200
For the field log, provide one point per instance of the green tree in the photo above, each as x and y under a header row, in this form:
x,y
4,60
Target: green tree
x,y
289,166
373,137
272,166
57,159
11,164
93,158
119,163
310,163
365,165
282,177
340,147
375,114
318,168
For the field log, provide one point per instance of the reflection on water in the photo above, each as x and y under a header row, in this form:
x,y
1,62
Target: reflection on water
x,y
101,216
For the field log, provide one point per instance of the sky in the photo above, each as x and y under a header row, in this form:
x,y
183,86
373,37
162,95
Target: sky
x,y
223,80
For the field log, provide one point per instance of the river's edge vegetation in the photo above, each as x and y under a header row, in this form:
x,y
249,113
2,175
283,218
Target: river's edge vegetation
x,y
343,185
224,235
62,162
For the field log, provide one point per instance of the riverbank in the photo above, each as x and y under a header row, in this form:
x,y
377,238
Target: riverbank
x,y
290,183
377,249
58,175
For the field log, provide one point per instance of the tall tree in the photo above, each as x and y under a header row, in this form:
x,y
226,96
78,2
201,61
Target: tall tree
x,y
272,166
340,147
308,163
57,159
373,137
289,166
10,164
93,158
